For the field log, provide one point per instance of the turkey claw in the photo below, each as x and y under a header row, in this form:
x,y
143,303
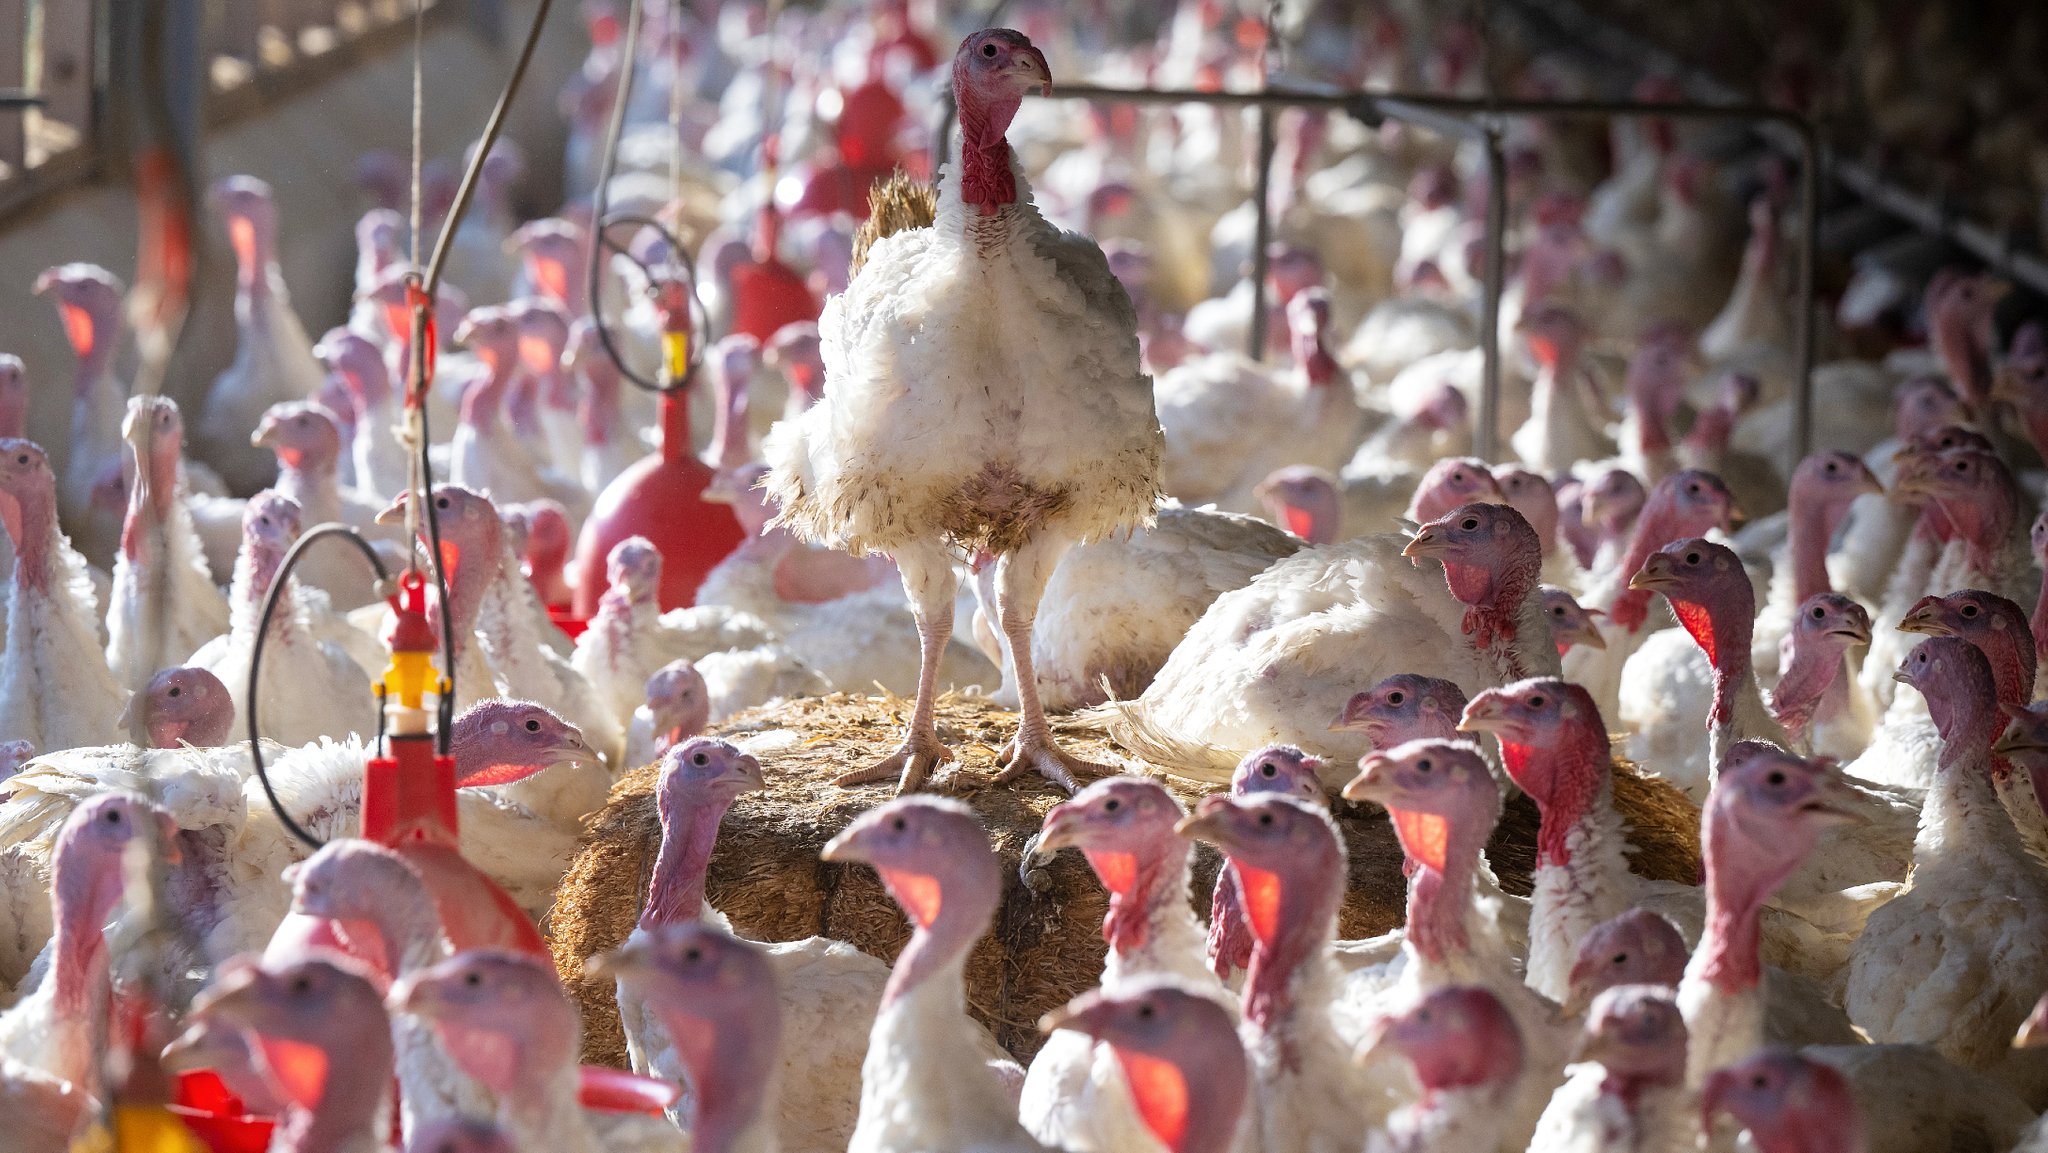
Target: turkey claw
x,y
910,766
1021,756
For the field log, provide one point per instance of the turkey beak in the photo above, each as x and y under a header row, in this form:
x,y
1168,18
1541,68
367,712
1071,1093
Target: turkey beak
x,y
1370,784
848,848
1483,715
625,961
2016,739
1867,482
395,512
1911,483
1837,803
1586,636
1735,519
1033,71
1374,1040
1426,543
1851,632
1084,1014
227,1002
1206,823
265,435
1920,619
1060,830
1654,576
572,749
1347,722
187,1052
1577,1000
2033,1032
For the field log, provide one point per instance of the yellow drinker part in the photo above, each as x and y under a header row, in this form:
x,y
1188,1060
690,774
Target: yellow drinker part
x,y
410,677
675,347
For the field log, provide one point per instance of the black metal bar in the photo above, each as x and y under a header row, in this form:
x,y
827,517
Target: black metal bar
x,y
1262,235
1470,116
21,98
1486,428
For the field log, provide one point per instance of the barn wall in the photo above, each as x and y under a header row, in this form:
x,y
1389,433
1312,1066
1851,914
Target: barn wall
x,y
306,148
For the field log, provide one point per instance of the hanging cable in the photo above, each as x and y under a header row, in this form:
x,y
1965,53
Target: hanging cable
x,y
602,223
270,599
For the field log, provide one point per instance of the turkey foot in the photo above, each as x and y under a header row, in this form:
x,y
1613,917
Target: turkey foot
x,y
910,765
1026,752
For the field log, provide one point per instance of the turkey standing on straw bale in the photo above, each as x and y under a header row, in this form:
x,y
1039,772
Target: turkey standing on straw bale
x,y
989,340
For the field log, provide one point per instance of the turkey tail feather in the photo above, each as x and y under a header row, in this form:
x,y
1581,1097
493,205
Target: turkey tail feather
x,y
897,203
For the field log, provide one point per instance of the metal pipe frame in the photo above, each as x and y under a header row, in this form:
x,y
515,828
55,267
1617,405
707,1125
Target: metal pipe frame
x,y
1481,119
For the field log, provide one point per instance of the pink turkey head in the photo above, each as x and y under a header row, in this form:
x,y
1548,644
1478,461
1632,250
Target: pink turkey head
x,y
471,534
1828,480
30,492
270,523
1303,500
502,1016
679,703
250,210
1611,502
1444,408
1532,496
89,303
492,333
934,858
1180,1056
633,569
1457,1037
1281,769
1832,622
302,434
1974,490
1553,742
1570,622
1638,1035
1404,707
1308,321
1440,795
1554,333
1923,404
1124,827
794,351
1451,482
380,240
543,335
1789,1103
360,365
496,742
1708,589
1638,947
1997,626
1291,271
13,755
13,396
1288,856
718,998
551,252
319,1026
1490,554
703,771
185,706
1766,811
992,71
1962,696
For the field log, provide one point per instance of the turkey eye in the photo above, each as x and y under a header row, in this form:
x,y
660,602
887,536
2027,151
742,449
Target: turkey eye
x,y
532,725
1395,698
693,955
1470,523
1265,819
1145,1012
1268,769
1557,611
472,979
1776,778
1758,1081
897,824
1422,766
1693,489
1819,612
700,760
113,817
1536,702
1969,610
1692,558
1831,466
301,985
22,459
1621,958
1112,805
175,690
989,50
441,502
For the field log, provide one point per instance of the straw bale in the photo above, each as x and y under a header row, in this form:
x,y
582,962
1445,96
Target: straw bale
x,y
1046,944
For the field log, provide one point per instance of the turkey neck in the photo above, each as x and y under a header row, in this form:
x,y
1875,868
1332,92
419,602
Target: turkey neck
x,y
35,533
1439,902
599,409
348,1116
1741,876
483,403
1493,600
1962,809
411,931
1646,394
1983,526
1961,356
149,504
84,894
732,1072
986,179
1813,524
729,424
310,480
1295,955
937,951
255,571
689,830
252,244
1814,687
1724,633
1149,919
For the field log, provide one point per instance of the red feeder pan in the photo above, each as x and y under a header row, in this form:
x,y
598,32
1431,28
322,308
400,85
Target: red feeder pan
x,y
659,497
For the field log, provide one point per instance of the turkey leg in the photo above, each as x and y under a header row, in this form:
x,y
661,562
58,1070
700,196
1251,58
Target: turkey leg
x,y
929,581
1020,582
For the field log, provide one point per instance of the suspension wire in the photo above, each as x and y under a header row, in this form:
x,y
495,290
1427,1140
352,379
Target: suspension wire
x,y
422,292
602,222
270,600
